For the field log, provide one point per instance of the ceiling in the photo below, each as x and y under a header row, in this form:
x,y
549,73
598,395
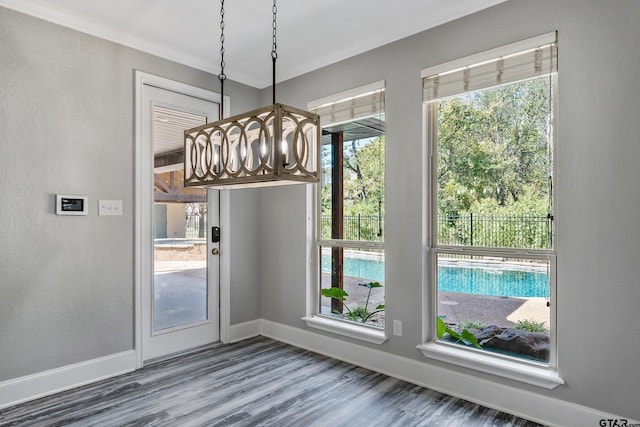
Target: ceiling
x,y
310,34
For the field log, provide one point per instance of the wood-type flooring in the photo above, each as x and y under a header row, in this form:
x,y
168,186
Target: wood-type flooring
x,y
256,382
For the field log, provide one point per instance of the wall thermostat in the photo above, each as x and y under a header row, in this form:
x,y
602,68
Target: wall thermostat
x,y
72,205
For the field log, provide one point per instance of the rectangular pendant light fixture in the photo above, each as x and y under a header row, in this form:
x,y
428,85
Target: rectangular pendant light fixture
x,y
274,145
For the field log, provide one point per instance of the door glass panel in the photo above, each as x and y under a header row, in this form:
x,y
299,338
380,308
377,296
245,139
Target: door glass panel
x,y
180,243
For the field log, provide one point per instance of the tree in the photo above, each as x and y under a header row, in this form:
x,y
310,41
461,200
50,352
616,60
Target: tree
x,y
492,144
363,188
364,176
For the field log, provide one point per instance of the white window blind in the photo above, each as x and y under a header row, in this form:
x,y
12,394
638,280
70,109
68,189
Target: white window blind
x,y
358,103
509,66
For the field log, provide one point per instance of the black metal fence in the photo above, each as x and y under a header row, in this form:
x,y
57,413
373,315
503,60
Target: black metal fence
x,y
522,231
532,232
357,227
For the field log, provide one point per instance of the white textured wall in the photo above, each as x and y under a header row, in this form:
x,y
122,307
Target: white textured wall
x,y
598,207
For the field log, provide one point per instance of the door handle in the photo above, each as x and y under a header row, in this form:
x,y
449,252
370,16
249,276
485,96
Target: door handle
x,y
215,251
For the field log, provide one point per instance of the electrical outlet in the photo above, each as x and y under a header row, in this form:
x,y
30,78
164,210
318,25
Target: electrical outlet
x,y
397,328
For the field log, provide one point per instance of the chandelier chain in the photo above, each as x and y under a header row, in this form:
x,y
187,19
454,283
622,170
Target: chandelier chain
x,y
222,75
274,51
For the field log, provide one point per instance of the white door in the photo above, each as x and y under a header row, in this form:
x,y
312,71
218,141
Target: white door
x,y
179,276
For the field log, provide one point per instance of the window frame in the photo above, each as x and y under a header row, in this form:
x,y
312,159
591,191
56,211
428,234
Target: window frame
x,y
544,375
314,317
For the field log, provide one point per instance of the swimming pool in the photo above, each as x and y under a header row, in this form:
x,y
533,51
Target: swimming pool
x,y
489,281
369,269
467,280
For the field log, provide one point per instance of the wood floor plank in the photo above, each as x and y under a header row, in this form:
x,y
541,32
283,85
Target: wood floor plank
x,y
256,382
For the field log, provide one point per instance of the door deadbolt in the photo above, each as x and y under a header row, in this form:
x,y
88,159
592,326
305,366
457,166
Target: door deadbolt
x,y
215,251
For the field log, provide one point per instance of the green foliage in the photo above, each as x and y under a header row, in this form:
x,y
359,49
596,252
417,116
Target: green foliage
x,y
531,326
442,328
364,176
463,336
363,189
336,293
360,313
471,325
493,157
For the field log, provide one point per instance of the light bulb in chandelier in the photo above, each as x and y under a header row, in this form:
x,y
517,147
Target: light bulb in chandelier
x,y
285,148
216,163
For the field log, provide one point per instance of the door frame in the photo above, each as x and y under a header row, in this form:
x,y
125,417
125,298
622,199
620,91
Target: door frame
x,y
143,216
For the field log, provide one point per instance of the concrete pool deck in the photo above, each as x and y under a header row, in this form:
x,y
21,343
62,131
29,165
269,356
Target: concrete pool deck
x,y
489,310
180,289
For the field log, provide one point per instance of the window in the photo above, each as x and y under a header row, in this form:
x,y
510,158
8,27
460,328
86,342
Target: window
x,y
350,209
490,131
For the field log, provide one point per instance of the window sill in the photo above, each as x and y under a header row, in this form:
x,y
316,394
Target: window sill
x,y
540,376
346,329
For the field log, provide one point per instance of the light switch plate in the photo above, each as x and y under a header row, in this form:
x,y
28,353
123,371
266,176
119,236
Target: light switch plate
x,y
109,207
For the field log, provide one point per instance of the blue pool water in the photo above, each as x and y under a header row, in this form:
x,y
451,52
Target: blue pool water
x,y
485,281
370,269
467,280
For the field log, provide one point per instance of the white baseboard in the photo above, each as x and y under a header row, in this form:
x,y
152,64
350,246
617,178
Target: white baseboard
x,y
242,331
532,406
30,387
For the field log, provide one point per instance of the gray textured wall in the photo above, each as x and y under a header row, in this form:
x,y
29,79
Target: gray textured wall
x,y
66,284
67,126
245,277
598,206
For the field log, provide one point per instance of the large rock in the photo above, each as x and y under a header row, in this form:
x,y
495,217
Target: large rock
x,y
533,344
487,332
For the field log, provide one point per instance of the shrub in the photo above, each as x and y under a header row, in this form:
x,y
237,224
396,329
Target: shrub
x,y
359,313
471,325
531,326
